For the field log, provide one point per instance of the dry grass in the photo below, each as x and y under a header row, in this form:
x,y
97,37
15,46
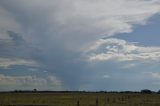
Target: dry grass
x,y
85,99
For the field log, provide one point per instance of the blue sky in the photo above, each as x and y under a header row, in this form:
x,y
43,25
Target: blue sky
x,y
79,45
150,32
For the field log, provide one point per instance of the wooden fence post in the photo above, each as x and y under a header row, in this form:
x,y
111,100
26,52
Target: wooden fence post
x,y
97,102
78,103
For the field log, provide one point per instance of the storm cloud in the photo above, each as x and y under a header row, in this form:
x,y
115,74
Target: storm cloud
x,y
54,37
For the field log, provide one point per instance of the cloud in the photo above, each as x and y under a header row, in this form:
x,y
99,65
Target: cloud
x,y
29,82
106,76
129,65
7,22
154,75
55,33
74,24
154,78
20,80
121,50
54,81
77,23
16,51
8,62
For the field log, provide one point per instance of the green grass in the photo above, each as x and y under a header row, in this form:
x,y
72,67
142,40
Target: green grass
x,y
85,99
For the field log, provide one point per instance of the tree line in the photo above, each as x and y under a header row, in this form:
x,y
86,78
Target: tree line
x,y
144,91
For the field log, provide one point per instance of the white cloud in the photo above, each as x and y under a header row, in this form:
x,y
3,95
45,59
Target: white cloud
x,y
30,82
106,76
121,50
77,23
154,75
21,80
7,62
33,69
114,16
129,65
104,17
54,81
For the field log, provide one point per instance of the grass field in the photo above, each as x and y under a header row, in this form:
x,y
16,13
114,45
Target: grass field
x,y
85,99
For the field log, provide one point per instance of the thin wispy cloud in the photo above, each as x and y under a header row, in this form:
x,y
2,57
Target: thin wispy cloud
x,y
8,62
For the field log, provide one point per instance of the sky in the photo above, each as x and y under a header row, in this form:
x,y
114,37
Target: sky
x,y
90,45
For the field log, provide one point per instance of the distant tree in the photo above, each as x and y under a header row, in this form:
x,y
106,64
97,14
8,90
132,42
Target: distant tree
x,y
158,92
15,90
147,91
35,90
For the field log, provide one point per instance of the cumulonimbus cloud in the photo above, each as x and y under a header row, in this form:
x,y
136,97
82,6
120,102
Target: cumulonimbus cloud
x,y
61,28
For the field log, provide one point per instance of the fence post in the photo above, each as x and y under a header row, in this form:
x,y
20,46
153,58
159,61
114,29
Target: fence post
x,y
97,102
78,103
